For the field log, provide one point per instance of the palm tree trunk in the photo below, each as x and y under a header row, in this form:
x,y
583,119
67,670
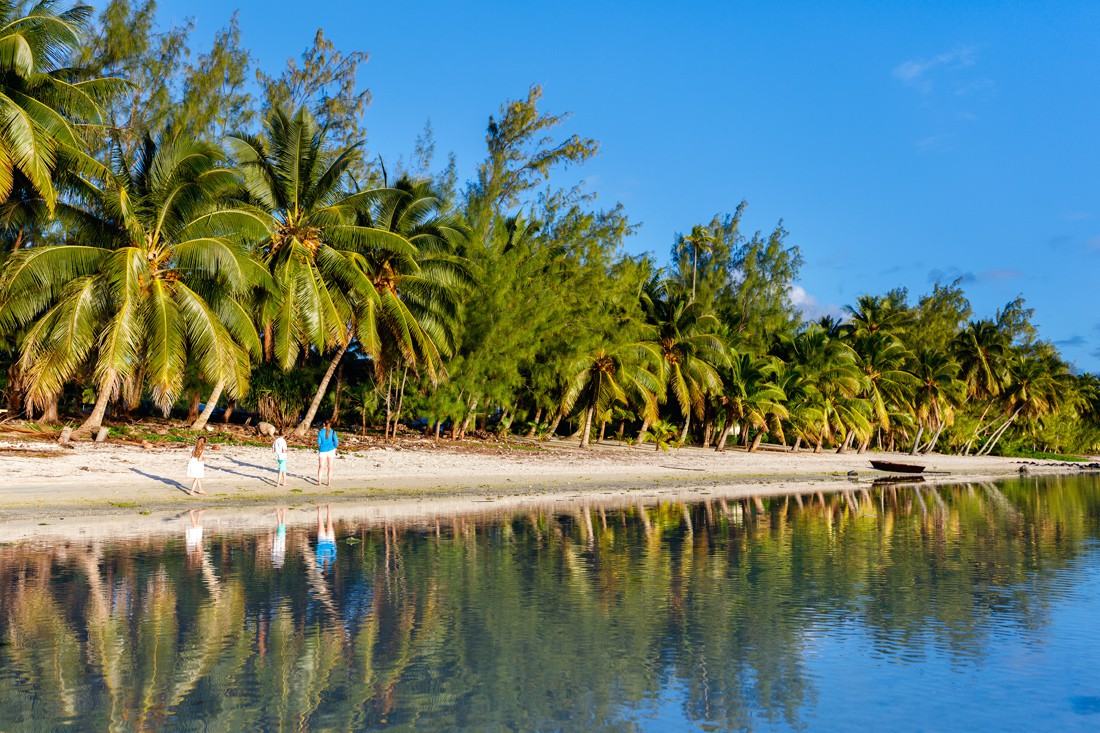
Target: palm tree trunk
x,y
95,420
471,411
400,399
193,405
997,435
977,430
916,442
645,427
211,403
603,431
935,438
554,425
587,426
756,441
336,395
797,444
311,413
534,423
269,341
49,412
708,431
687,426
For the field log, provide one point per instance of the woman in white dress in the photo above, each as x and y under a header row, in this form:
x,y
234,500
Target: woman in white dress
x,y
196,469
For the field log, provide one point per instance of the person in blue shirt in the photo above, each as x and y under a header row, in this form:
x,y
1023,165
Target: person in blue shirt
x,y
327,443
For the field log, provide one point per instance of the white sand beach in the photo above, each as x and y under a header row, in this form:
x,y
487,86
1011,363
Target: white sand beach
x,y
112,478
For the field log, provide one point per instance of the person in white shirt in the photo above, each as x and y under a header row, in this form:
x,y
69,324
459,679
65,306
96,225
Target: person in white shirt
x,y
280,450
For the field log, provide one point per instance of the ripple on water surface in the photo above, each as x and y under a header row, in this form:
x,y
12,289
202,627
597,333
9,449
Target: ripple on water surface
x,y
903,608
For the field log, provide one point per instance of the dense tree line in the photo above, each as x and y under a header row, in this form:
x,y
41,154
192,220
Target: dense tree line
x,y
182,231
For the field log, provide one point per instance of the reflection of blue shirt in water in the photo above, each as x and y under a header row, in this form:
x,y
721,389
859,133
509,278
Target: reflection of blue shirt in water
x,y
326,552
327,442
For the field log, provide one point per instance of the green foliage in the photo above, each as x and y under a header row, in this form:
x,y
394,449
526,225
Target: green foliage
x,y
133,270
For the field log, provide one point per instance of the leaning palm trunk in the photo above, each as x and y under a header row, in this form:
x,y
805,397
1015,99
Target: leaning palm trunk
x,y
534,423
95,420
307,421
687,426
554,425
645,427
208,410
997,435
935,439
471,411
587,429
916,441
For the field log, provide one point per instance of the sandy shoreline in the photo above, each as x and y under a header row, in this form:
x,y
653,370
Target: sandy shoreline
x,y
411,479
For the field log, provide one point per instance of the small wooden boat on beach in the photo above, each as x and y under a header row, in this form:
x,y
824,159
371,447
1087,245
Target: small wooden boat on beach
x,y
897,467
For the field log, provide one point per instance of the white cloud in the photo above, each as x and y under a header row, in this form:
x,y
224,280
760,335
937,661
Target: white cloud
x,y
917,72
810,308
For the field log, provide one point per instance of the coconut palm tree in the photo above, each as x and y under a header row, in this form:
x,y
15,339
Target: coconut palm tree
x,y
938,392
685,336
882,359
874,314
149,279
982,351
750,395
833,377
600,380
1037,385
700,238
43,100
344,264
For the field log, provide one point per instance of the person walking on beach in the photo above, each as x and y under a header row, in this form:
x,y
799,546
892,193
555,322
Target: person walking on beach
x,y
196,469
280,450
327,443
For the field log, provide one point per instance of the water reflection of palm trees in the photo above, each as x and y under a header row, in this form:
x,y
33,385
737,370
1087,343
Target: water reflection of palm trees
x,y
441,622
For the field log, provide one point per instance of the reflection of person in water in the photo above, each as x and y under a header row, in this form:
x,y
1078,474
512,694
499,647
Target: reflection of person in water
x,y
193,535
278,542
326,541
197,554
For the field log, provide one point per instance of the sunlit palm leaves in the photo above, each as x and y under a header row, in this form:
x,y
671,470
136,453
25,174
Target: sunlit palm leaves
x,y
605,378
149,279
685,336
43,100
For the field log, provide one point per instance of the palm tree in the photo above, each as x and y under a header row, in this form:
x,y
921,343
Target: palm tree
x,y
938,391
1037,385
875,314
751,396
700,238
982,351
43,100
344,264
833,378
882,359
605,378
152,280
685,336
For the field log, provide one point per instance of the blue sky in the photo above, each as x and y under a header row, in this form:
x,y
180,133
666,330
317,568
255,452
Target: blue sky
x,y
899,144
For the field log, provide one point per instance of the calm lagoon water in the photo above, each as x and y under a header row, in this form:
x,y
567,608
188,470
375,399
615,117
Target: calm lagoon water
x,y
969,607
